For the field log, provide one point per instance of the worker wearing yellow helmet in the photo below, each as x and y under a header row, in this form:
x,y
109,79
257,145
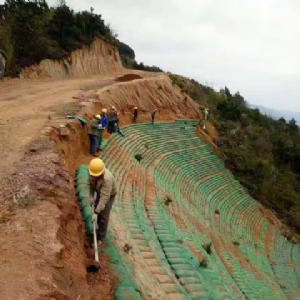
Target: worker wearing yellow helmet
x,y
103,191
135,115
102,126
93,133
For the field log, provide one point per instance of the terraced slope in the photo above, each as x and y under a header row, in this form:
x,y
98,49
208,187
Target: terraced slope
x,y
194,231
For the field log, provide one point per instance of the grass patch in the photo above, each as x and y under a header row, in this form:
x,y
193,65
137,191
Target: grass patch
x,y
203,263
168,200
71,108
25,198
127,248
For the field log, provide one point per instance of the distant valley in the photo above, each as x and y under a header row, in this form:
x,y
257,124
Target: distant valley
x,y
277,114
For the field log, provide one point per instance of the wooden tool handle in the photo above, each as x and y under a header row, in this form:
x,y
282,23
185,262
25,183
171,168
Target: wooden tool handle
x,y
95,243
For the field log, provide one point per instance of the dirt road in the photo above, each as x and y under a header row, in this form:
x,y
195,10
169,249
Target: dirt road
x,y
27,105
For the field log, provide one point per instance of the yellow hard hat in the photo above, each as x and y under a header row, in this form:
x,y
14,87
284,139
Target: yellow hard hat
x,y
104,110
96,167
135,107
98,117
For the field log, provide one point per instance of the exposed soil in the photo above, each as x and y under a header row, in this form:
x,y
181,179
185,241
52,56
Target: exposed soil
x,y
42,236
128,77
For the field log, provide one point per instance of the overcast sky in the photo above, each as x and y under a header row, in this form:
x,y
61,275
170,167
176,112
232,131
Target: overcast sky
x,y
249,46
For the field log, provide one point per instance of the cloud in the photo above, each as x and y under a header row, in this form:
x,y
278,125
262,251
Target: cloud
x,y
250,46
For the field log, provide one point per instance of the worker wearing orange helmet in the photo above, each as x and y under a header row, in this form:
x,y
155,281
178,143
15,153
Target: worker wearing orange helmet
x,y
135,115
103,191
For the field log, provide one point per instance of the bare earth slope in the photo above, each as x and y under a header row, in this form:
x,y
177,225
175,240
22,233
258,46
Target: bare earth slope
x,y
100,58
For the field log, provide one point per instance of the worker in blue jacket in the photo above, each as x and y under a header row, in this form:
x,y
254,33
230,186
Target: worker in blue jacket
x,y
103,123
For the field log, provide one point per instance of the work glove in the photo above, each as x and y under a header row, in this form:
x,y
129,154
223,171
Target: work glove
x,y
92,201
94,218
100,207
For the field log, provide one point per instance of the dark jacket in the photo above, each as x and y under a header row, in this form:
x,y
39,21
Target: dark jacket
x,y
93,127
112,116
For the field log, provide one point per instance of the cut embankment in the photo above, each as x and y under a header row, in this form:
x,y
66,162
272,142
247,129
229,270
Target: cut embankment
x,y
100,58
74,149
193,231
145,93
42,253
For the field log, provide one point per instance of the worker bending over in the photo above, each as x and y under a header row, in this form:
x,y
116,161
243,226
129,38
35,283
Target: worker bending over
x,y
103,191
135,115
93,133
102,126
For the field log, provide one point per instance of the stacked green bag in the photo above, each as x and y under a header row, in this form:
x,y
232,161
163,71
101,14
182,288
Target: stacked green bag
x,y
82,193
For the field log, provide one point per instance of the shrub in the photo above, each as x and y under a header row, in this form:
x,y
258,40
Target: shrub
x,y
207,248
203,263
167,201
138,157
127,248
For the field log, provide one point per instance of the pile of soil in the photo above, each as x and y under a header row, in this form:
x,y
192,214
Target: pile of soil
x,y
128,77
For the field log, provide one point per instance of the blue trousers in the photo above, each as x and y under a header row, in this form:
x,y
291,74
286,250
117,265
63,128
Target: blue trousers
x,y
93,144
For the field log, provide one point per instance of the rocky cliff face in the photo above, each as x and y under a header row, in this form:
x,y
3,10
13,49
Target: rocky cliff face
x,y
2,66
100,58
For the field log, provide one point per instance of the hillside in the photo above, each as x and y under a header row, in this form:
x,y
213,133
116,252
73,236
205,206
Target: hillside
x,y
263,153
185,223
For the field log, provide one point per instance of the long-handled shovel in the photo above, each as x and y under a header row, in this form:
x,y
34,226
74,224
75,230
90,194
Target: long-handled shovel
x,y
95,266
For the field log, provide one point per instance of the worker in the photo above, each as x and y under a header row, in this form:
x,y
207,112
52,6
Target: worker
x,y
113,117
135,115
206,113
117,129
153,115
103,191
102,126
93,133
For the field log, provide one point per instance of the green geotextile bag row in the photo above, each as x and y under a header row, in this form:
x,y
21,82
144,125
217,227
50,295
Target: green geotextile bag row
x,y
82,193
126,287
